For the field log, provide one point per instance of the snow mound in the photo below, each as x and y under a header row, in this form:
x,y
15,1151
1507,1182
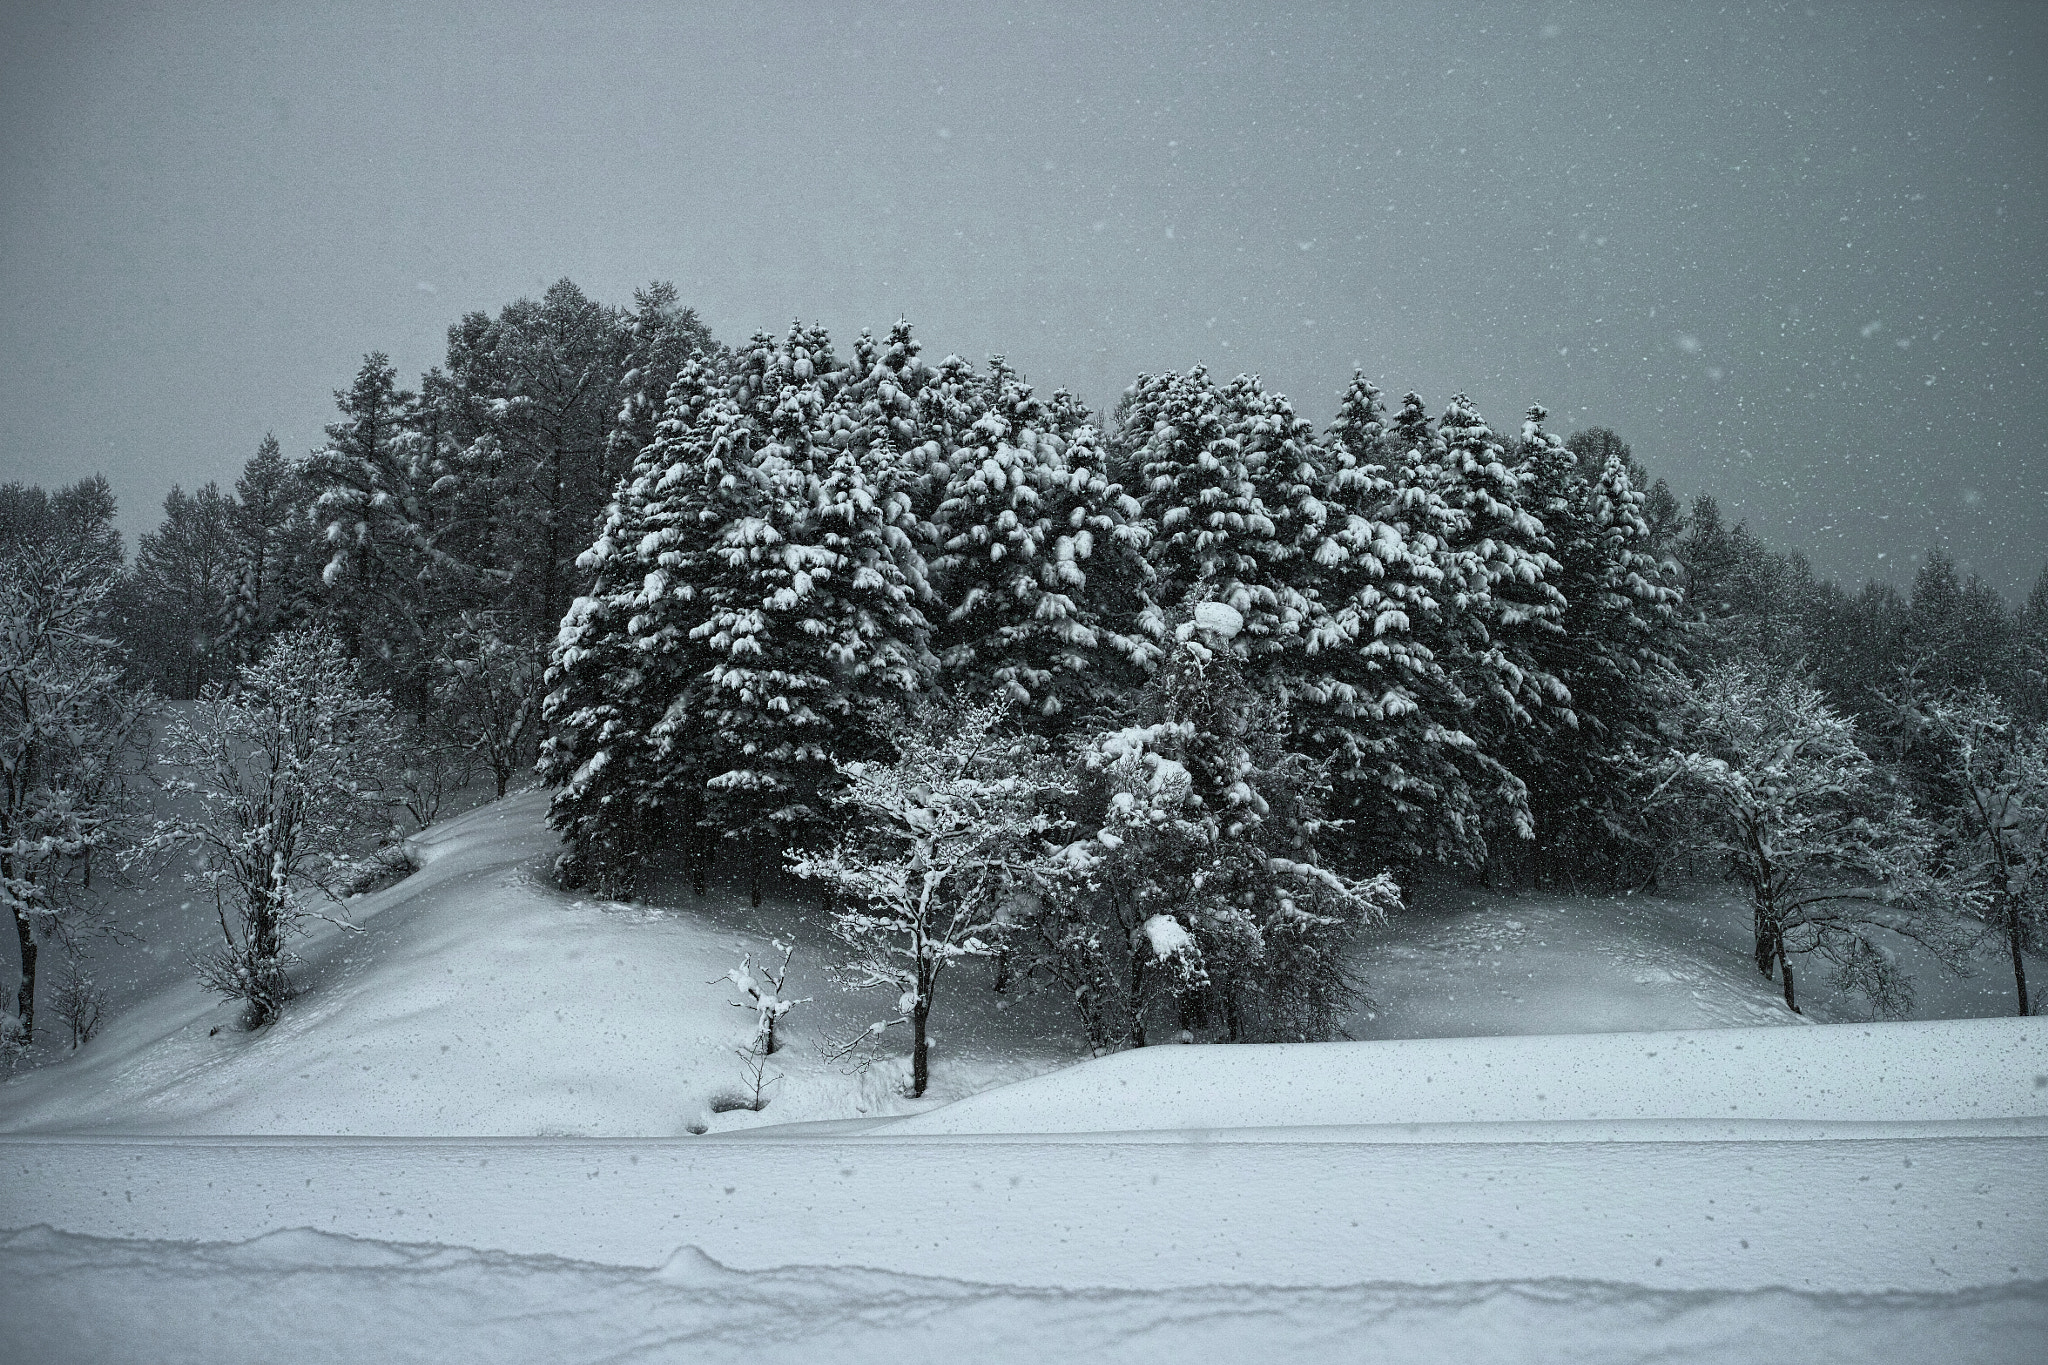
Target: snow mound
x,y
81,1299
1931,1071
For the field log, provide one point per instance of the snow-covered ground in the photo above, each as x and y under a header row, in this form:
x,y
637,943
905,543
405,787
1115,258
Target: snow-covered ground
x,y
480,999
482,1112
308,1297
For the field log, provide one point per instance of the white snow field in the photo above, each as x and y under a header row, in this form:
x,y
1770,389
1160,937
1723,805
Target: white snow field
x,y
471,1138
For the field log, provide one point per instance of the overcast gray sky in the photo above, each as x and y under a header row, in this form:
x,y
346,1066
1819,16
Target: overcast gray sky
x,y
1793,253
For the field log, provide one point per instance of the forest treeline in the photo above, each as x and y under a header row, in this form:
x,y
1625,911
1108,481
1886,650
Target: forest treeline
x,y
1262,668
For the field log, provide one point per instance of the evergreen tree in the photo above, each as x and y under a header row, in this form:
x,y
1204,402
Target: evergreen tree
x,y
1616,652
823,627
274,549
373,486
1198,894
661,337
184,589
539,390
629,656
1213,538
2030,665
1371,696
1036,546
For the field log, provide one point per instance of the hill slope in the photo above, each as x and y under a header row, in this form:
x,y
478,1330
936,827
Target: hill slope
x,y
479,999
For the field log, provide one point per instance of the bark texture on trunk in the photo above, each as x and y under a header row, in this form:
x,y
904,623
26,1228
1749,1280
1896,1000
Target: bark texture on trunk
x,y
2019,968
25,998
1785,969
920,1059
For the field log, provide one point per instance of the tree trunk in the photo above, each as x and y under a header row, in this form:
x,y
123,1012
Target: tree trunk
x,y
1785,969
754,875
2019,964
25,998
504,776
1767,953
1138,1000
920,1057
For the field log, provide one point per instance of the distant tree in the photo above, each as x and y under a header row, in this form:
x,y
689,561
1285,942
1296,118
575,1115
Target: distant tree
x,y
1832,858
491,689
275,548
539,393
1958,635
1855,645
79,516
184,588
283,776
938,843
72,735
1755,605
2030,661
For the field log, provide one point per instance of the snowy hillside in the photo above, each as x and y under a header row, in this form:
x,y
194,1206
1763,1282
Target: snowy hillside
x,y
421,1116
478,998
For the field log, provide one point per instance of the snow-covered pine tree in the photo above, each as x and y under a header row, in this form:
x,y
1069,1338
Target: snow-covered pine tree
x,y
1429,506
824,622
1213,537
1412,442
625,704
661,337
1614,654
375,488
948,402
1034,544
1522,604
1198,888
1506,607
1370,695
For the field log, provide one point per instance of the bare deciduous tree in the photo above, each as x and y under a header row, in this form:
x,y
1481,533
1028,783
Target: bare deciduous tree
x,y
285,772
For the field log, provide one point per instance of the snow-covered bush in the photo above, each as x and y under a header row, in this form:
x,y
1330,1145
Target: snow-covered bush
x,y
940,844
761,990
284,772
1197,888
